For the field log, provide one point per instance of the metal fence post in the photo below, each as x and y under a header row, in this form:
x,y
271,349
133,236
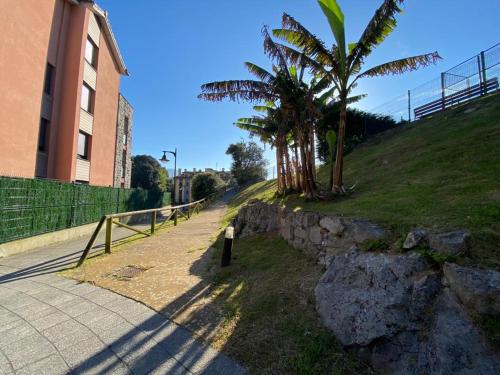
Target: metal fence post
x,y
443,94
481,82
153,222
409,106
483,68
109,235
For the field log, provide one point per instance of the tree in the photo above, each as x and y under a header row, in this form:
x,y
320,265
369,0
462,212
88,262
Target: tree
x,y
248,162
343,65
147,173
362,125
293,99
204,184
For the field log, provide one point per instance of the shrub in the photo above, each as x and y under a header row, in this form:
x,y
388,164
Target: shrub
x,y
204,184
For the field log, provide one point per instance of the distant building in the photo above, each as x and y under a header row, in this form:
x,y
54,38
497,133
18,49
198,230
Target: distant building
x,y
61,115
182,186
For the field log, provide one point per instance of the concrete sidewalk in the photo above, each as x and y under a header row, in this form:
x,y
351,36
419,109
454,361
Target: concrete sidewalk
x,y
51,325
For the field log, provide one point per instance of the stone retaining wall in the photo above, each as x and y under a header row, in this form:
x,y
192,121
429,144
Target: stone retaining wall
x,y
396,311
321,236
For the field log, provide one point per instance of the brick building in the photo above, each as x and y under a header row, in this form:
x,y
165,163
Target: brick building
x,y
61,115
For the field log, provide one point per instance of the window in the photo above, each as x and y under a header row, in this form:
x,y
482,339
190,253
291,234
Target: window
x,y
124,163
48,86
125,130
87,98
83,145
42,135
91,52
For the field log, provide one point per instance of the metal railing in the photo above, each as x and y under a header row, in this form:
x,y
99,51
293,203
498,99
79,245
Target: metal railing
x,y
185,210
472,78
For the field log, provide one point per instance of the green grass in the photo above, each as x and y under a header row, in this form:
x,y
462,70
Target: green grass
x,y
270,321
441,173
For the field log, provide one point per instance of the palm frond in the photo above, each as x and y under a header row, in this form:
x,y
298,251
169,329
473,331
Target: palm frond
x,y
380,26
335,17
273,51
298,58
247,90
321,85
328,94
259,72
262,108
403,65
254,121
297,35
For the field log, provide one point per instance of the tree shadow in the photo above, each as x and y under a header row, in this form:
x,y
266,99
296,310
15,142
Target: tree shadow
x,y
157,342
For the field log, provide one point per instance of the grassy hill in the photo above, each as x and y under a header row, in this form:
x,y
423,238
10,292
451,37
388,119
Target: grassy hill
x,y
440,173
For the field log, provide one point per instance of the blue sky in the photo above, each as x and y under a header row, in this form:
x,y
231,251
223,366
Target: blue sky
x,y
171,47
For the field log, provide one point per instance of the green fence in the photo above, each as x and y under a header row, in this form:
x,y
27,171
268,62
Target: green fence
x,y
33,206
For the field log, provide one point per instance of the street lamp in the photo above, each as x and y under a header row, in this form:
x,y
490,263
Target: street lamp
x,y
164,159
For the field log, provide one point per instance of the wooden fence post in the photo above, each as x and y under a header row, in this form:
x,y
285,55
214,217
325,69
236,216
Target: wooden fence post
x,y
109,235
153,222
175,216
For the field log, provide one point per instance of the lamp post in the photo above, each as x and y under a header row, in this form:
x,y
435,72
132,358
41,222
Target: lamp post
x,y
164,159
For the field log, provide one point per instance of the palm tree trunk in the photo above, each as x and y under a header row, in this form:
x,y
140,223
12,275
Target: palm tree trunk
x,y
313,153
288,167
332,165
310,161
278,169
339,160
304,175
297,168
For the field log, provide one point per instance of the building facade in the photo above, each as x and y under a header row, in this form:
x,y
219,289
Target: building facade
x,y
182,184
123,157
60,71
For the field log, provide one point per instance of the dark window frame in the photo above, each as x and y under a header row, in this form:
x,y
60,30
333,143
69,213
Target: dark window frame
x,y
126,125
124,164
90,101
43,135
95,52
48,84
86,146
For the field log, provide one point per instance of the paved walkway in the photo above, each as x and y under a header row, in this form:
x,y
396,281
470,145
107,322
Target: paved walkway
x,y
170,270
52,325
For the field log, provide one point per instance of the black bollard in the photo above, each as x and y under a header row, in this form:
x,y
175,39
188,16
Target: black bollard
x,y
228,247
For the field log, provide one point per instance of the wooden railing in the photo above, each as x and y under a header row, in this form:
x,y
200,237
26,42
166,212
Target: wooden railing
x,y
184,210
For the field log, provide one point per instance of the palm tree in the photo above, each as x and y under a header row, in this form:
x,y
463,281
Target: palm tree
x,y
343,64
270,129
284,86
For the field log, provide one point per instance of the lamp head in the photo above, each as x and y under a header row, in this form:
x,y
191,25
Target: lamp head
x,y
164,158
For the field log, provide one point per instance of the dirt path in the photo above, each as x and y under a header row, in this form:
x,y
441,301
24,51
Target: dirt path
x,y
166,271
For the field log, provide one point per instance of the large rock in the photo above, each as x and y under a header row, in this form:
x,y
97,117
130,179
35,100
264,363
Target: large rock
x,y
333,225
393,311
360,231
455,345
414,238
447,342
366,296
477,289
450,243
